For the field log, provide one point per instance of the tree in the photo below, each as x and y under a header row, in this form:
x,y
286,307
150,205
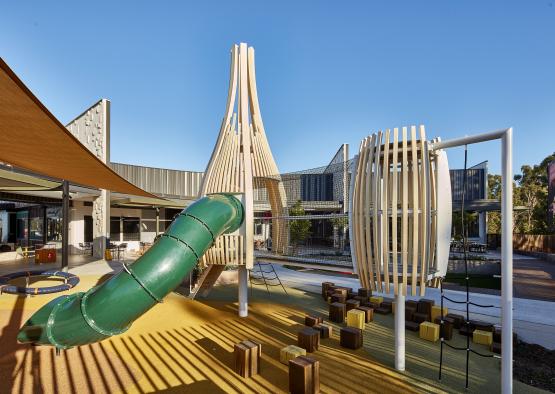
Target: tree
x,y
339,223
531,192
299,229
494,192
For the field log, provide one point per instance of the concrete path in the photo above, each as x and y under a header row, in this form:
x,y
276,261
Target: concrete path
x,y
534,321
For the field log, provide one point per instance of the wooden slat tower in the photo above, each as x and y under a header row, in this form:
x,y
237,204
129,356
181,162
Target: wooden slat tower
x,y
242,161
401,212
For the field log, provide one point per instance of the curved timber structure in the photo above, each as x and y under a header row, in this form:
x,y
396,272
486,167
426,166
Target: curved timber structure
x,y
241,162
400,211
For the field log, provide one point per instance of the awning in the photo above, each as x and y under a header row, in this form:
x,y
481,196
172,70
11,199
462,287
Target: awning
x,y
33,139
12,181
143,202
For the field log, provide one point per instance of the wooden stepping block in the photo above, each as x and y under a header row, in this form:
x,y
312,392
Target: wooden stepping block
x,y
352,304
312,320
350,337
325,330
496,347
325,287
445,327
458,320
342,290
425,306
246,357
411,304
308,339
376,301
290,352
385,308
368,313
363,292
409,313
482,325
338,297
337,312
429,331
466,330
412,325
356,318
482,337
361,299
436,311
419,317
304,375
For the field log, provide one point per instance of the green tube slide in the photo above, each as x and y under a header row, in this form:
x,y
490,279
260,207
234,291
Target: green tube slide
x,y
110,308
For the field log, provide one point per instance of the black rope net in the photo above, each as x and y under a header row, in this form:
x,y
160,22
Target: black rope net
x,y
468,349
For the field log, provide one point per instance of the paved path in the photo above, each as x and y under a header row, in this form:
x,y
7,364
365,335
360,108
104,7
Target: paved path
x,y
534,278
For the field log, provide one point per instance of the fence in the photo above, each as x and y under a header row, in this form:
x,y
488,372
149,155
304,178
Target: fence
x,y
526,242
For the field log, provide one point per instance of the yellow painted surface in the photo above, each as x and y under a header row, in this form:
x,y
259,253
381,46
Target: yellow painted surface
x,y
355,318
290,352
482,337
429,331
376,299
436,311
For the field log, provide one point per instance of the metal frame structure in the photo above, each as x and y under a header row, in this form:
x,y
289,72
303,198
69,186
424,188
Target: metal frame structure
x,y
392,172
506,137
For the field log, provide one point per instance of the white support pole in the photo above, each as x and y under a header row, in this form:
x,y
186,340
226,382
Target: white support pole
x,y
243,279
506,137
400,331
507,262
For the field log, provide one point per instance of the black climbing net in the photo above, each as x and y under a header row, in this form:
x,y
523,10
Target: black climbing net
x,y
468,349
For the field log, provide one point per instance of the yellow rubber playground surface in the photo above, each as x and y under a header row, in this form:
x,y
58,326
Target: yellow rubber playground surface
x,y
183,346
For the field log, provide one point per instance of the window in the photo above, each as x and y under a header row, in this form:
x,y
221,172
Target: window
x,y
115,229
131,229
88,235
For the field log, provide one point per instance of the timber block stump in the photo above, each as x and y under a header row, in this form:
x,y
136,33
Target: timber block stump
x,y
350,337
445,327
247,356
325,287
338,297
290,352
337,312
368,313
325,330
309,339
363,292
458,320
311,321
352,304
425,306
304,375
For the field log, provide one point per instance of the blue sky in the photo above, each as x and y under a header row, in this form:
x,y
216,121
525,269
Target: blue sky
x,y
328,72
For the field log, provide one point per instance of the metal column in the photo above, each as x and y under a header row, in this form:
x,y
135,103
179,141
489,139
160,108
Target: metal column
x,y
506,137
243,280
400,331
507,262
65,224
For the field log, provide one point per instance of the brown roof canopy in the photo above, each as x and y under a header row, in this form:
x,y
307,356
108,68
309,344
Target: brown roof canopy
x,y
32,138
